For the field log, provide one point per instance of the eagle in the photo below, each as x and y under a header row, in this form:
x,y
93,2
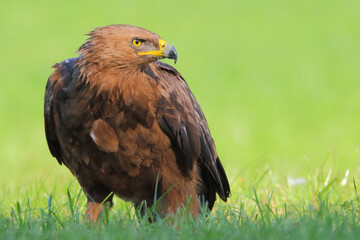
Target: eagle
x,y
127,124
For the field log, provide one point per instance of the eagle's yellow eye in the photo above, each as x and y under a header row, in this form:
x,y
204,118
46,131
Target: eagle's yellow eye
x,y
136,42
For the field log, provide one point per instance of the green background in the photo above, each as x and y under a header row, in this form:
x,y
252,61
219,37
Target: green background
x,y
277,80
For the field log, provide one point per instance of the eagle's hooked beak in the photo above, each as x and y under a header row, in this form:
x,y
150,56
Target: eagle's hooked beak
x,y
166,51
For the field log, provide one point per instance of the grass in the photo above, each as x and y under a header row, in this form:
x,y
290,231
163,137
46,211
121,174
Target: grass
x,y
323,212
278,83
321,207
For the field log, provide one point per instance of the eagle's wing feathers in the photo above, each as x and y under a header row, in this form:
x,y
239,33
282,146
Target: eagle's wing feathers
x,y
182,120
50,134
58,89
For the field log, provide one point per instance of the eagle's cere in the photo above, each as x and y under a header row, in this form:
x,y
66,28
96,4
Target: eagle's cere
x,y
123,122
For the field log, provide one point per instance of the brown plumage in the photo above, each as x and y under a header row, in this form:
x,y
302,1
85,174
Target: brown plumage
x,y
123,122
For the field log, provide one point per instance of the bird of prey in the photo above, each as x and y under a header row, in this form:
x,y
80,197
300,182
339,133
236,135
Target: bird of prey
x,y
126,124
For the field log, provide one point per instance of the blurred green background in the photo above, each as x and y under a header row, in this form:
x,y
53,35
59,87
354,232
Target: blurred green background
x,y
278,80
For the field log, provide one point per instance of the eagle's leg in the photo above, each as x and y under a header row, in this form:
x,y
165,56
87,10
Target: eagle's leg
x,y
93,210
167,205
169,201
183,196
96,205
172,203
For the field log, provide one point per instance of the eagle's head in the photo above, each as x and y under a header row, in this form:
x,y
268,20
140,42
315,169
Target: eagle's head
x,y
125,46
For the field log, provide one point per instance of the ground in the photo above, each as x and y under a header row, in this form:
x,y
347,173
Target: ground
x,y
277,81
